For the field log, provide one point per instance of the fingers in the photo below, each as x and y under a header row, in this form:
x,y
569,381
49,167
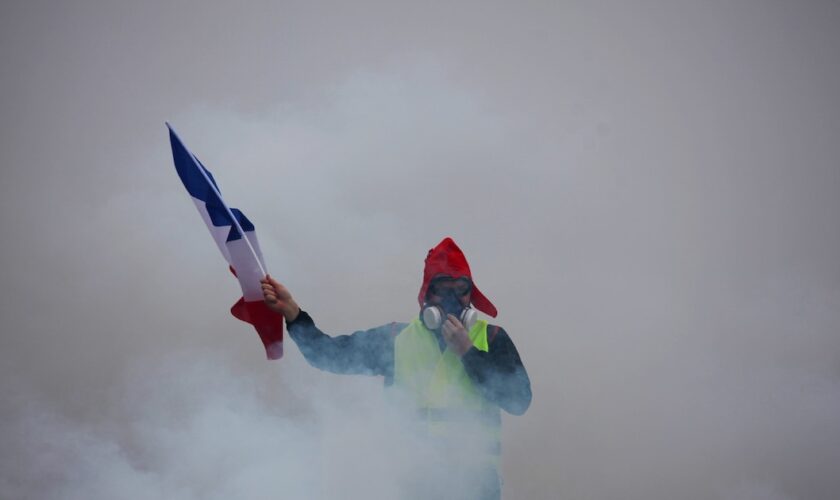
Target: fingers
x,y
267,279
455,335
452,326
272,281
269,293
270,284
452,320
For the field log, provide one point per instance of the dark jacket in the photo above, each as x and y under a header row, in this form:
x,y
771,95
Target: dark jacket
x,y
498,373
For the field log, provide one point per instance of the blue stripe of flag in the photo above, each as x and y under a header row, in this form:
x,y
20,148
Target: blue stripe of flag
x,y
195,183
198,188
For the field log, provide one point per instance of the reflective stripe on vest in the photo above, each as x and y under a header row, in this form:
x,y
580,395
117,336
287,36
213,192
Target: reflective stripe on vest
x,y
438,385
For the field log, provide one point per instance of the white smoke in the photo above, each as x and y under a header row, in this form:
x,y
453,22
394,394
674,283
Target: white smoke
x,y
649,195
186,429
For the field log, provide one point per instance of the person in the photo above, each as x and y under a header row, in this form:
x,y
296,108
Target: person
x,y
454,370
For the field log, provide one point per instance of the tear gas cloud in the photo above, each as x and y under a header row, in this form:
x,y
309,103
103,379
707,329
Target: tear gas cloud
x,y
195,429
648,191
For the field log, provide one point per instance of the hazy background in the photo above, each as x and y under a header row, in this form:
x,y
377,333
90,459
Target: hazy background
x,y
649,191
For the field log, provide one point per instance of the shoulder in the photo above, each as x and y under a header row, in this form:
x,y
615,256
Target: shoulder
x,y
390,330
496,332
393,328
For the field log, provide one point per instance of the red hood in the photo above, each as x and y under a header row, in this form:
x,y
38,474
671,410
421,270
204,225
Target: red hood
x,y
446,259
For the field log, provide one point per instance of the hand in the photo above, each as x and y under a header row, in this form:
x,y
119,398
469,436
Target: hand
x,y
278,298
456,336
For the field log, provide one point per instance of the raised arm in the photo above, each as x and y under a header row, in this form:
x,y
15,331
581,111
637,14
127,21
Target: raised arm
x,y
365,352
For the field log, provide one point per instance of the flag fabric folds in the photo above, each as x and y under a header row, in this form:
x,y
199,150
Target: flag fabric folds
x,y
242,252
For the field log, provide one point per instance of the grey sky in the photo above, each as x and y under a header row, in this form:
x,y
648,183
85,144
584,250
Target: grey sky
x,y
647,190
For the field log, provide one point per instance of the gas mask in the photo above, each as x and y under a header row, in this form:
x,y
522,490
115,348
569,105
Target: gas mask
x,y
433,315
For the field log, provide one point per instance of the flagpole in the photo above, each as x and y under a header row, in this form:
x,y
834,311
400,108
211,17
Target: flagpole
x,y
222,201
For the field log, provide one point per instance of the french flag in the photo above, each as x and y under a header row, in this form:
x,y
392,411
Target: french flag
x,y
227,226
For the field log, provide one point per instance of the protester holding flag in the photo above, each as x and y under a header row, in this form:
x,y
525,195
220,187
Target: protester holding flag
x,y
457,371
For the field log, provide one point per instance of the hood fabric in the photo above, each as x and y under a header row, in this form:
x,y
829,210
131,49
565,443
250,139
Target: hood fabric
x,y
447,260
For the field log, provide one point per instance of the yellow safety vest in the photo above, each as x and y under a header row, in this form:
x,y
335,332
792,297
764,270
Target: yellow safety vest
x,y
443,393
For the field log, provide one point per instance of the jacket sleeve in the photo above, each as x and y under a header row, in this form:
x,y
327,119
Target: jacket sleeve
x,y
365,352
499,373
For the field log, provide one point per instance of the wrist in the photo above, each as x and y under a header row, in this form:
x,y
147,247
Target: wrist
x,y
291,312
463,347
